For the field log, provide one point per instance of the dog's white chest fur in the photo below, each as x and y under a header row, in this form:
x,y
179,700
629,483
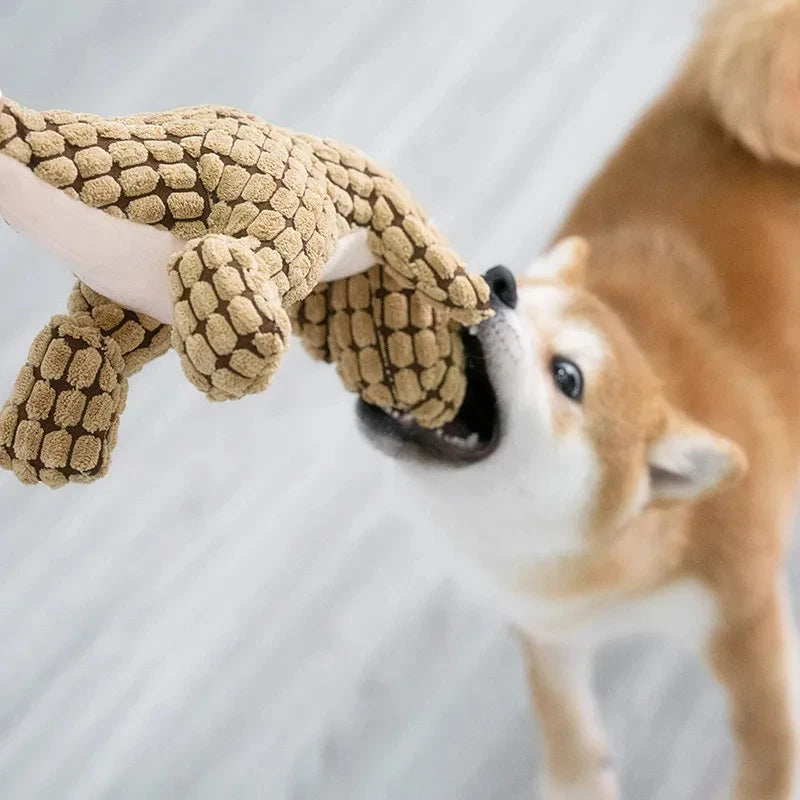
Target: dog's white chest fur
x,y
683,611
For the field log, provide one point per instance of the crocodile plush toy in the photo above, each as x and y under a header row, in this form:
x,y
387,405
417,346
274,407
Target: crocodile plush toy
x,y
209,229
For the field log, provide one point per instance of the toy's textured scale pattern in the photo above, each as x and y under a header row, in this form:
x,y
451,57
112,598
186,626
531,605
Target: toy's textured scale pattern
x,y
140,338
61,421
190,171
230,327
400,236
261,211
365,322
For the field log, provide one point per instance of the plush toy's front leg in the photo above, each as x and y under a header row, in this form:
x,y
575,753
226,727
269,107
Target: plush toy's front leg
x,y
389,345
230,328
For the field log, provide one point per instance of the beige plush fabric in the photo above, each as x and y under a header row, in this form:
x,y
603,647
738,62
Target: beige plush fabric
x,y
389,345
261,210
60,423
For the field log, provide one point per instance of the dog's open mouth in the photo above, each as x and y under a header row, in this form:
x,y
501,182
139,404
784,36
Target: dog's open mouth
x,y
471,436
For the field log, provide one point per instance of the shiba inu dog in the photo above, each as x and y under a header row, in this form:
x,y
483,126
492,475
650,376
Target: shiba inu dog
x,y
626,457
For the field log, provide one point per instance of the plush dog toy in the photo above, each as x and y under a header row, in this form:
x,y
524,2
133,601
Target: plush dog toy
x,y
208,228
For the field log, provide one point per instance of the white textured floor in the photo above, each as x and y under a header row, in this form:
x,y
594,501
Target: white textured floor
x,y
235,612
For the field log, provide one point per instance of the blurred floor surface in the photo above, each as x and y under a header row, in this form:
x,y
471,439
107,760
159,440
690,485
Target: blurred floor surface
x,y
237,611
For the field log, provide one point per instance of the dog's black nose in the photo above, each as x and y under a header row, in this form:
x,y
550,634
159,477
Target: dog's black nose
x,y
502,285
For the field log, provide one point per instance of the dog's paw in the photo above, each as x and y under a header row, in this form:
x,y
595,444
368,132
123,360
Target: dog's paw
x,y
753,72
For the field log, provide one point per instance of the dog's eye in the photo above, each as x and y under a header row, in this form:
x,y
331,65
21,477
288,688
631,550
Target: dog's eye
x,y
568,378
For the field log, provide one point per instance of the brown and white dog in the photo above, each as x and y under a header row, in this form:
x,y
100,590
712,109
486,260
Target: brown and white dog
x,y
630,442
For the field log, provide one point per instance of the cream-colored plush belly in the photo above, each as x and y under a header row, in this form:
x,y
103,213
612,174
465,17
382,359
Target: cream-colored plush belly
x,y
123,260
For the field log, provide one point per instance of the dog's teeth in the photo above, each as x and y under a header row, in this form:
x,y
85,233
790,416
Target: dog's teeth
x,y
473,330
468,443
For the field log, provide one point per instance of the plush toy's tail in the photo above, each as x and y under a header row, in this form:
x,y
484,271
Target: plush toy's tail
x,y
16,126
5,129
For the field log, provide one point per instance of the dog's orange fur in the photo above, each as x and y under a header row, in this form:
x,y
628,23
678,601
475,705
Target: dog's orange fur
x,y
694,233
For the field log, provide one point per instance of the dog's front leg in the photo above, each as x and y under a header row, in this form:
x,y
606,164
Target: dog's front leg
x,y
754,655
577,766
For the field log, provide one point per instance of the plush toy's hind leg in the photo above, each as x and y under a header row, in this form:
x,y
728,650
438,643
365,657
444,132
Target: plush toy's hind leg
x,y
60,423
230,327
141,338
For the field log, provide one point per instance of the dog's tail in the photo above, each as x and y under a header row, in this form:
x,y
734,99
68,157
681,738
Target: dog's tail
x,y
749,59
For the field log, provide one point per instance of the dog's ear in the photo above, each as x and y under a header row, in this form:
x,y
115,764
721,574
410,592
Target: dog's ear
x,y
565,263
688,460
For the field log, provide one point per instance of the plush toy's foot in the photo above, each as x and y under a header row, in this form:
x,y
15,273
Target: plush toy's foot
x,y
230,328
60,424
